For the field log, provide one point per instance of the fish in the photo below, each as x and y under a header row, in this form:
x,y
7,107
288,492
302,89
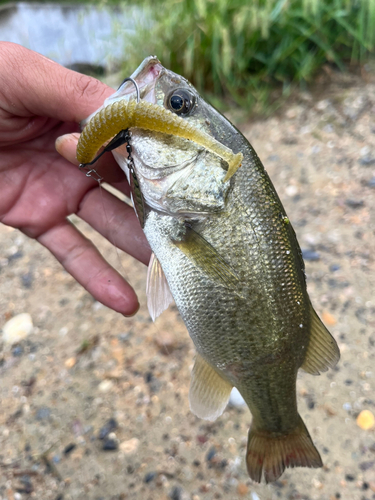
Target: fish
x,y
225,251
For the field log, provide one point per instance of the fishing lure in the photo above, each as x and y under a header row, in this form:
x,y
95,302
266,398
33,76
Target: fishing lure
x,y
122,115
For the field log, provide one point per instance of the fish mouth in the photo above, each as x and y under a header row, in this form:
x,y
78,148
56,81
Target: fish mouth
x,y
146,77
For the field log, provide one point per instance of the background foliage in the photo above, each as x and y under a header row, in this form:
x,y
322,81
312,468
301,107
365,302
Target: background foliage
x,y
242,48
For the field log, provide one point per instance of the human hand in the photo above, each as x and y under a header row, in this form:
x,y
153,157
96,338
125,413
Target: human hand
x,y
39,102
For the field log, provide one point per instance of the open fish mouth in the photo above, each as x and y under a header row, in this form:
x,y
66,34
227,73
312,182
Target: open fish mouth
x,y
146,77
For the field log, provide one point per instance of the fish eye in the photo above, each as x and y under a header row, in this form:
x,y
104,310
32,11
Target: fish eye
x,y
181,102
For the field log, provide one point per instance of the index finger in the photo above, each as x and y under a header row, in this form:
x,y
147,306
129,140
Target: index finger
x,y
31,84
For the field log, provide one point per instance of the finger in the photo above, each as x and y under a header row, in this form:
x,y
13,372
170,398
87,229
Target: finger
x,y
31,84
106,166
108,215
116,221
84,262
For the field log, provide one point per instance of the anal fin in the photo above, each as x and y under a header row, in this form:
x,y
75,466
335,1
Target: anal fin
x,y
159,296
322,352
209,392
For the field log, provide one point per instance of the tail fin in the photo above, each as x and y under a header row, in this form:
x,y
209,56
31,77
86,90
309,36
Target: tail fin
x,y
271,454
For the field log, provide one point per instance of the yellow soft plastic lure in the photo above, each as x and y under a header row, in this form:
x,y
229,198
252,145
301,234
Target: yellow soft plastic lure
x,y
121,115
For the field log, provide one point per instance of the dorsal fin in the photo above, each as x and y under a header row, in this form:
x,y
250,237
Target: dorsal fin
x,y
209,392
159,296
322,352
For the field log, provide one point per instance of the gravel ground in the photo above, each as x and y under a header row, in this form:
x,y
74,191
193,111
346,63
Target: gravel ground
x,y
94,406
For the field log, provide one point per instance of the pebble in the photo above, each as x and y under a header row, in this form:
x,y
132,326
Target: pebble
x,y
105,386
70,362
242,489
166,342
334,267
211,453
371,183
43,413
354,203
365,420
27,280
328,318
291,190
17,328
129,446
17,351
175,493
150,476
367,160
235,398
69,448
310,255
366,465
110,445
107,428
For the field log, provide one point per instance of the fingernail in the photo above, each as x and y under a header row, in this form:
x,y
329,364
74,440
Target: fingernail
x,y
132,314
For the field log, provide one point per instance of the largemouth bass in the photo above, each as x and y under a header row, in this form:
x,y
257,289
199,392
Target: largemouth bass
x,y
224,249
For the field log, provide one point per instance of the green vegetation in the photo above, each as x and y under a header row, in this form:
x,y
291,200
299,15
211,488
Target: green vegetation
x,y
243,48
238,51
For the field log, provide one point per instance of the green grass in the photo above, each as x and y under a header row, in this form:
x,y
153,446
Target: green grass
x,y
242,49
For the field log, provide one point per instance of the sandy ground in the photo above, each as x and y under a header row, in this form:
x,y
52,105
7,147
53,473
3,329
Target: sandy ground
x,y
86,373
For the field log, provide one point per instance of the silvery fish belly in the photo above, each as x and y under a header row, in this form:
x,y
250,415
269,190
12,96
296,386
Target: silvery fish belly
x,y
224,249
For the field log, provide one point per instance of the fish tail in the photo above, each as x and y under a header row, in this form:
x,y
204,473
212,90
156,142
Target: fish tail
x,y
270,454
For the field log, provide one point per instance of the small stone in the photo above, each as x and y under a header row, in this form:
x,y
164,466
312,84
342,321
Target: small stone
x,y
291,190
175,493
367,160
70,362
27,485
17,351
366,465
166,342
310,255
334,267
107,428
110,445
242,489
211,453
105,385
328,319
150,476
235,398
354,203
43,413
365,420
349,477
27,280
17,328
371,183
69,448
129,446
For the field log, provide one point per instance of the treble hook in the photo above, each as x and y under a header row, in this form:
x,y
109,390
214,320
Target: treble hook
x,y
118,140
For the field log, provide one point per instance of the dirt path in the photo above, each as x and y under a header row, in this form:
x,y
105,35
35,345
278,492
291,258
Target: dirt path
x,y
86,372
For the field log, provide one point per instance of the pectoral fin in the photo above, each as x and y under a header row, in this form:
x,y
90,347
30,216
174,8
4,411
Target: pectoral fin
x,y
322,352
159,296
209,392
205,257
